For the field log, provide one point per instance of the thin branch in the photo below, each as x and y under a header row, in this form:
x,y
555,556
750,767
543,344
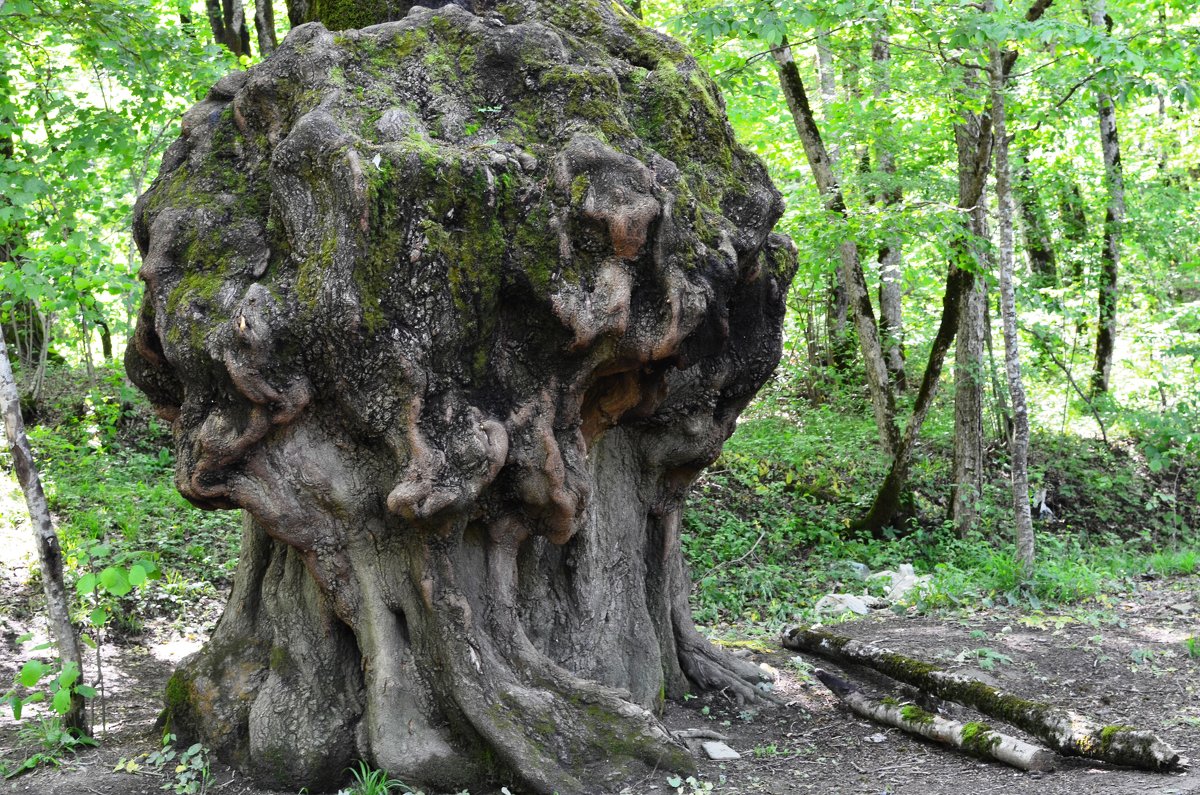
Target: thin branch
x,y
1070,379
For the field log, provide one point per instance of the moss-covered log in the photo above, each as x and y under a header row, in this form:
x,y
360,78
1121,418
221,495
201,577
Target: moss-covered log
x,y
1064,730
974,737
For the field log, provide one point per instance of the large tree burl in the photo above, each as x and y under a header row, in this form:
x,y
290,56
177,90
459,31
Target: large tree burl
x,y
456,307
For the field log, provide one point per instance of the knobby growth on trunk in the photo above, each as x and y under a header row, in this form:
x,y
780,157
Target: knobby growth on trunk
x,y
456,308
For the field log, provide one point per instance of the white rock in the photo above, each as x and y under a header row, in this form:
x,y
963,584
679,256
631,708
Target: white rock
x,y
905,581
838,604
719,751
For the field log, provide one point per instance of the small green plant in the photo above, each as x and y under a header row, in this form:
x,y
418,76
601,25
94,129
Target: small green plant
x,y
689,785
38,680
985,658
1192,645
366,781
186,772
52,741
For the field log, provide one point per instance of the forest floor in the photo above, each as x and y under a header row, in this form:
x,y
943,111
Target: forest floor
x,y
1123,659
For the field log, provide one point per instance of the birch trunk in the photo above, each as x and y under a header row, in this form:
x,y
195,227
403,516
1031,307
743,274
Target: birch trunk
x,y
1114,219
891,326
838,306
49,551
1019,448
974,737
882,399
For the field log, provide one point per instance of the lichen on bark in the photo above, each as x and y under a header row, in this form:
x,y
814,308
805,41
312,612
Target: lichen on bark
x,y
456,327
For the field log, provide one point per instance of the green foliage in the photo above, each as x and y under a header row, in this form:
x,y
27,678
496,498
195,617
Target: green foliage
x,y
367,781
90,94
37,681
52,741
766,531
184,772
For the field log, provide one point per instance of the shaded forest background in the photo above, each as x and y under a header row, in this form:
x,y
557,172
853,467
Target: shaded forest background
x,y
890,432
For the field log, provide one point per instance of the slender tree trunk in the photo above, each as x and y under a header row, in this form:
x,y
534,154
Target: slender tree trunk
x,y
841,354
1114,219
968,356
227,18
1043,264
1073,213
49,551
264,26
1019,447
999,391
960,280
882,399
891,325
827,79
889,498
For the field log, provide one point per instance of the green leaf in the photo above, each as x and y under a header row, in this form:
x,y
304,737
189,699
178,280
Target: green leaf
x,y
115,581
32,672
98,616
87,691
137,574
62,701
85,584
88,641
69,675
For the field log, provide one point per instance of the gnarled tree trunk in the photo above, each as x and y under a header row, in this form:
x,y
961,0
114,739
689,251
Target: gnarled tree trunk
x,y
456,308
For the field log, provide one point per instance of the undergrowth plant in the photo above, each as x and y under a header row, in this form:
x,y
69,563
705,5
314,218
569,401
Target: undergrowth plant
x,y
367,781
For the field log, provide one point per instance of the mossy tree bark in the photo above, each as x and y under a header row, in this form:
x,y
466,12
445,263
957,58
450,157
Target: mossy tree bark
x,y
456,308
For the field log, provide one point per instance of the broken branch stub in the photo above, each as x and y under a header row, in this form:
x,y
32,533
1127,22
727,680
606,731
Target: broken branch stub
x,y
1064,730
457,307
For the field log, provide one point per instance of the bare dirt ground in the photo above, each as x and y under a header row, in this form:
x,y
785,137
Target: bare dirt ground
x,y
1121,662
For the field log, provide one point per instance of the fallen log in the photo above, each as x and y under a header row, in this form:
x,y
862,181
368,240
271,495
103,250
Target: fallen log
x,y
1066,731
975,738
